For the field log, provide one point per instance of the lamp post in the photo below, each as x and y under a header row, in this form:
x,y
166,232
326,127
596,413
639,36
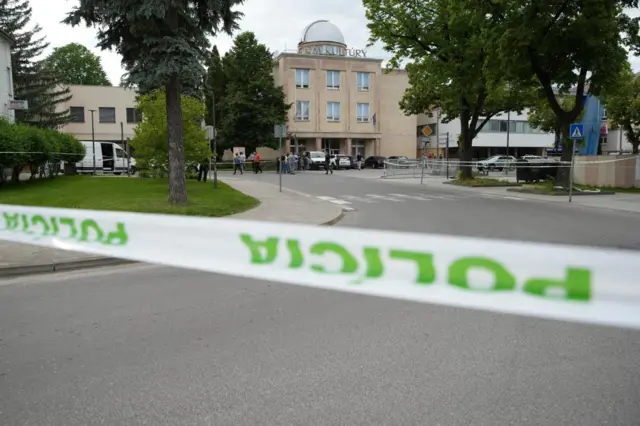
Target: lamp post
x,y
93,141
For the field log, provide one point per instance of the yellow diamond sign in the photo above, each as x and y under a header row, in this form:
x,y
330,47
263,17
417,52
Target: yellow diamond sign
x,y
426,130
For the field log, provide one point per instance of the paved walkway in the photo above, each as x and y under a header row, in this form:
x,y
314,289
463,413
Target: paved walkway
x,y
289,206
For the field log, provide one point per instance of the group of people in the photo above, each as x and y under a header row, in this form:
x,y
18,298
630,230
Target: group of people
x,y
240,162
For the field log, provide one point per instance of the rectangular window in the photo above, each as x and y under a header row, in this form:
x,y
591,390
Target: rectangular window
x,y
527,127
520,126
503,126
362,113
333,80
77,114
134,115
512,126
302,78
333,111
302,110
9,83
604,113
362,81
494,125
106,115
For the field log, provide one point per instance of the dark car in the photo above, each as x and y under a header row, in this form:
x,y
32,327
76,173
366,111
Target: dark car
x,y
375,162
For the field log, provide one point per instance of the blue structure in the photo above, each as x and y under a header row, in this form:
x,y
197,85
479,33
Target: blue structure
x,y
592,122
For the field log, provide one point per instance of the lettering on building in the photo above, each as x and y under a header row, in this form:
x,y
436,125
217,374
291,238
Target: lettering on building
x,y
332,51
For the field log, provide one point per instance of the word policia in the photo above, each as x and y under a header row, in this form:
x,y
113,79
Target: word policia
x,y
576,285
86,230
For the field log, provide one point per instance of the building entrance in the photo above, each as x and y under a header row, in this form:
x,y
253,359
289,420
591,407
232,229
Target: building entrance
x,y
332,145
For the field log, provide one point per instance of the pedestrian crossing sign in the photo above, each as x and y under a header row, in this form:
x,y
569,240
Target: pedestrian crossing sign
x,y
576,131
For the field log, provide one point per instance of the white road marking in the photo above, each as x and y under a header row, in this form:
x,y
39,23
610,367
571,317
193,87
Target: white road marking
x,y
355,198
333,200
513,198
411,197
348,209
384,198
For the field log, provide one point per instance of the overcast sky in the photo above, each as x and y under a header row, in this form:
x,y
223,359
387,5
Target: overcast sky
x,y
276,23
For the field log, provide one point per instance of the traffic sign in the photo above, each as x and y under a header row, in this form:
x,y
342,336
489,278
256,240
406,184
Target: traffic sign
x,y
426,130
576,131
280,131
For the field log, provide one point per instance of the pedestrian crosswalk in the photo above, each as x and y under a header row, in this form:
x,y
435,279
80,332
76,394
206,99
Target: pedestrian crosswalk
x,y
349,201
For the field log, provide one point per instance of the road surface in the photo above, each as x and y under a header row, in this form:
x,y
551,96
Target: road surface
x,y
147,345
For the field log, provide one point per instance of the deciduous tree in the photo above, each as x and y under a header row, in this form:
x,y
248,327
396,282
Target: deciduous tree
x,y
449,48
569,45
542,117
31,82
253,103
622,101
163,44
73,63
150,136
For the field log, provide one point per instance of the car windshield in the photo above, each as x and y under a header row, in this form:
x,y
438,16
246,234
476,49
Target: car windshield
x,y
317,155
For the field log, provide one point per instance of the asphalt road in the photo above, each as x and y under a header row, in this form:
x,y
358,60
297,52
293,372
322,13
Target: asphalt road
x,y
146,345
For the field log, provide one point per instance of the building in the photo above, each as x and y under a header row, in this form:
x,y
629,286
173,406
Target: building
x,y
342,100
6,82
114,115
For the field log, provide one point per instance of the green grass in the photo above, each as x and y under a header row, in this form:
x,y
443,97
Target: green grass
x,y
480,181
126,194
548,187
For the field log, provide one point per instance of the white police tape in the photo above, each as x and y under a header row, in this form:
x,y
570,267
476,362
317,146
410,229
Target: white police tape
x,y
541,280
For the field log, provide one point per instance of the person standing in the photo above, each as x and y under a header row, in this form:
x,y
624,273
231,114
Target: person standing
x,y
359,161
203,170
327,163
237,164
257,167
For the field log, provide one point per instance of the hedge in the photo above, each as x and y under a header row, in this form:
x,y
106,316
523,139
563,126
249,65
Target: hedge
x,y
41,150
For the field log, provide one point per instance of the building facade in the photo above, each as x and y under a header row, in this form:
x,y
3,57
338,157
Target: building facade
x,y
114,115
342,101
6,82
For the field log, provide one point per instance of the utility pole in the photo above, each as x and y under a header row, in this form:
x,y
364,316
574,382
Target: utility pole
x,y
93,141
215,137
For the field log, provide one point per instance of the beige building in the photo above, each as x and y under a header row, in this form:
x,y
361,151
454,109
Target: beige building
x,y
342,100
6,82
114,115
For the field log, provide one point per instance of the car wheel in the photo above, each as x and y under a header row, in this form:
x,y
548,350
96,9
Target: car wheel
x,y
133,170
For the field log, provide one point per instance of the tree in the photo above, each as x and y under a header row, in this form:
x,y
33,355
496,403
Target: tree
x,y
542,117
253,103
449,46
622,101
573,45
215,89
150,136
163,44
75,64
31,82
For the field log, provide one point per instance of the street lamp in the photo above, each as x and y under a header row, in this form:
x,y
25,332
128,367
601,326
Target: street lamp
x,y
93,141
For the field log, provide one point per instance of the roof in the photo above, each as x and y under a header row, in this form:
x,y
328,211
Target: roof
x,y
7,37
322,30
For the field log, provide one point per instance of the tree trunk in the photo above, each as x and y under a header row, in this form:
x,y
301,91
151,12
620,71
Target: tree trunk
x,y
465,153
177,178
564,171
634,148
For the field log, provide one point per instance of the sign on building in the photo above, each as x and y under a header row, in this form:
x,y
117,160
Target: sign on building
x,y
18,104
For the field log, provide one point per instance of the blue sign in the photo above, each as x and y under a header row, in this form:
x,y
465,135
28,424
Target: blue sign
x,y
576,131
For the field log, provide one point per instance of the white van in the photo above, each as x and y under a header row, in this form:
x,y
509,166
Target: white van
x,y
316,160
110,158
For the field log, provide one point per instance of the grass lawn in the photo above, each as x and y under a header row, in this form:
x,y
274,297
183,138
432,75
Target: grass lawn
x,y
548,186
482,181
126,194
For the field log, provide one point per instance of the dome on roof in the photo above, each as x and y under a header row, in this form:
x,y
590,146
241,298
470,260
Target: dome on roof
x,y
322,31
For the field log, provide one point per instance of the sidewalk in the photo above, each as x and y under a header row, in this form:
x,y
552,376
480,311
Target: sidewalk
x,y
25,259
619,202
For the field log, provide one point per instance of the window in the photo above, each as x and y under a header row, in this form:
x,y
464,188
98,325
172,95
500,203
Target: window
x,y
362,113
134,115
77,114
333,111
302,110
503,126
9,82
106,115
120,153
302,78
519,127
333,80
604,113
362,81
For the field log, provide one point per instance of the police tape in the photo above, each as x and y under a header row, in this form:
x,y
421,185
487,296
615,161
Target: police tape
x,y
540,280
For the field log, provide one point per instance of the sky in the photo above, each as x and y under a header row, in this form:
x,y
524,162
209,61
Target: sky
x,y
276,23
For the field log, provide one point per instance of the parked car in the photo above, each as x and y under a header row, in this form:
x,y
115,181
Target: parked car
x,y
529,157
375,162
343,162
399,158
497,162
317,160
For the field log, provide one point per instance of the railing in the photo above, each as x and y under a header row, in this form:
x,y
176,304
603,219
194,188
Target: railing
x,y
417,168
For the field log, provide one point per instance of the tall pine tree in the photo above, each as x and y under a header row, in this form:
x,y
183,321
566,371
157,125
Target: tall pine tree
x,y
42,91
253,103
215,83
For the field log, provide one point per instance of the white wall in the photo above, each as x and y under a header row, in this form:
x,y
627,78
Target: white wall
x,y
616,141
493,139
6,80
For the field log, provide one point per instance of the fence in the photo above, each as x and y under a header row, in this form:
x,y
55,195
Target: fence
x,y
417,168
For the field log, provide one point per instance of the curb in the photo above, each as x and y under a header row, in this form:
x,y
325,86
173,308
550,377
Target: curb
x,y
72,265
94,262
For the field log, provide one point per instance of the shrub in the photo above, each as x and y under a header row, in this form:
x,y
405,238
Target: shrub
x,y
36,148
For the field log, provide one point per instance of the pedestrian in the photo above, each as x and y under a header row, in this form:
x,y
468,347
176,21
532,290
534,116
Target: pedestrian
x,y
257,167
243,160
327,163
237,164
306,161
296,162
359,161
203,170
